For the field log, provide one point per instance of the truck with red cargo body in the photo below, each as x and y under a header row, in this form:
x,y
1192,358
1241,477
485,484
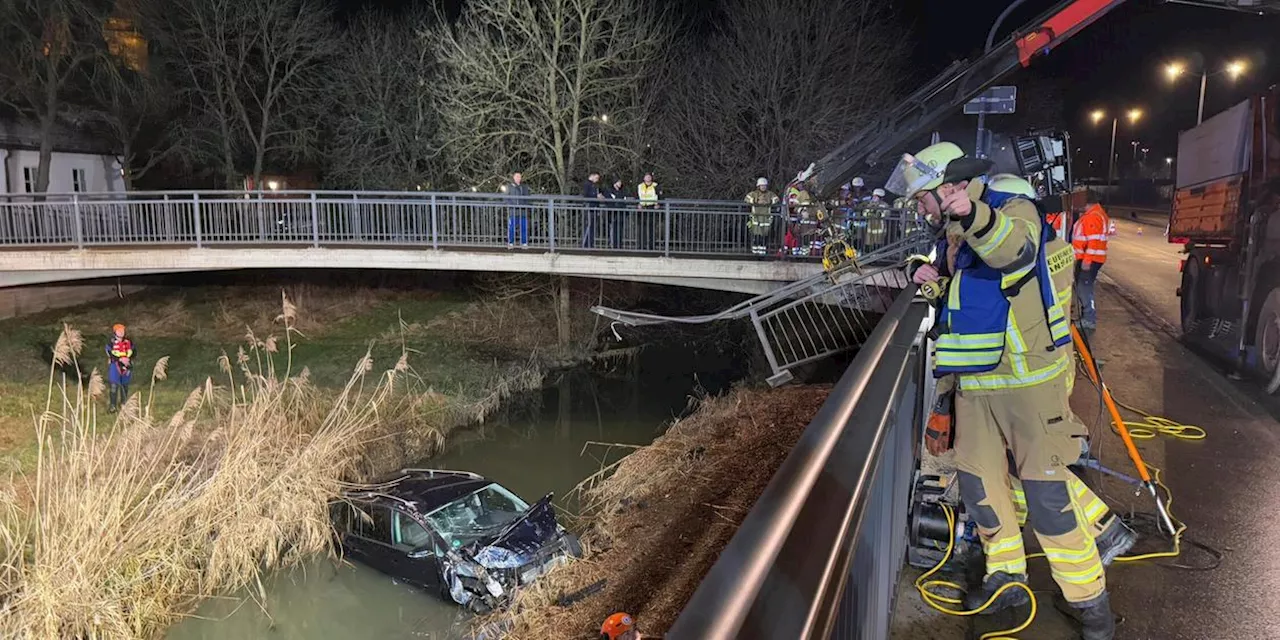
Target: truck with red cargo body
x,y
1226,213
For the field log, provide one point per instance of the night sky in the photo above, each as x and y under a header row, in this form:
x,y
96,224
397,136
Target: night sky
x,y
1117,63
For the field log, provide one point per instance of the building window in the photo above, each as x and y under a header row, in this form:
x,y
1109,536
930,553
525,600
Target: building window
x,y
29,179
78,182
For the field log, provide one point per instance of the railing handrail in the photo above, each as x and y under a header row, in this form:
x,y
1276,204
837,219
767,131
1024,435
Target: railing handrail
x,y
302,194
783,573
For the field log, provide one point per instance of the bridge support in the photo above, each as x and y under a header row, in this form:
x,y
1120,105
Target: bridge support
x,y
562,312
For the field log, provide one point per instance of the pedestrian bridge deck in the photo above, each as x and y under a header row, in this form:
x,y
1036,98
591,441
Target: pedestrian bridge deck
x,y
696,243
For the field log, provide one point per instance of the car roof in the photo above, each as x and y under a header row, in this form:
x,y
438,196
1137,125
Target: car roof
x,y
419,490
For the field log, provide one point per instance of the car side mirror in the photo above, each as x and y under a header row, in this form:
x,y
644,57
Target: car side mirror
x,y
422,553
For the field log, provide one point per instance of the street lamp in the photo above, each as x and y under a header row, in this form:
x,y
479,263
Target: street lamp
x,y
1133,115
1175,70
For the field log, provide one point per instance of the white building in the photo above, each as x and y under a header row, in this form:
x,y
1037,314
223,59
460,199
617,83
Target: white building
x,y
81,163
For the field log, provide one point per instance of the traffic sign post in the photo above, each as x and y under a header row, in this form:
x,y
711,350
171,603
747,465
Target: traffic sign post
x,y
1001,100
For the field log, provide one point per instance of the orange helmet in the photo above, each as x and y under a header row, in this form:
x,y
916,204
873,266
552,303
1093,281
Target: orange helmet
x,y
616,625
117,328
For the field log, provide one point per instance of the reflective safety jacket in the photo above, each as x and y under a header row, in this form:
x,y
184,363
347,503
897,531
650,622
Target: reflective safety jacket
x,y
1004,324
119,348
1055,220
648,194
1089,235
762,203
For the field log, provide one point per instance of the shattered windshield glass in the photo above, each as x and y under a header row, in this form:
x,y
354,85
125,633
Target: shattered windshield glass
x,y
477,515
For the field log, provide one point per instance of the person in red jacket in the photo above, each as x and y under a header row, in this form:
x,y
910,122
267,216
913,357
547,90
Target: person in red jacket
x,y
1089,237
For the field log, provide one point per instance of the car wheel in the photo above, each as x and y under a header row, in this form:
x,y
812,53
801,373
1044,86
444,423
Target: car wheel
x,y
1266,333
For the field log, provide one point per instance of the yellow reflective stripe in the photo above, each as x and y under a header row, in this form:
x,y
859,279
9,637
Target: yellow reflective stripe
x,y
1004,545
993,381
953,294
1082,576
1003,228
1094,510
1012,567
1009,279
960,359
1019,498
972,340
1074,556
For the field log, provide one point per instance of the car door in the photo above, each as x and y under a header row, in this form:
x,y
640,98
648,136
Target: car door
x,y
369,539
420,560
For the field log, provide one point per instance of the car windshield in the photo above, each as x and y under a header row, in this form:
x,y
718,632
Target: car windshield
x,y
476,515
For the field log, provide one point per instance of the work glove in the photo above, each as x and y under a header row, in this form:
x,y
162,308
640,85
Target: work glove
x,y
938,435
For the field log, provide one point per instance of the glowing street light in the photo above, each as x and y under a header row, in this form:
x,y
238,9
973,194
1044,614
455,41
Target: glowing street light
x,y
1168,160
1177,68
273,185
1133,115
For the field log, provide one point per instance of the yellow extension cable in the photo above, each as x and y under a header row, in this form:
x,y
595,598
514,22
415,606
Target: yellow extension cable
x,y
1150,427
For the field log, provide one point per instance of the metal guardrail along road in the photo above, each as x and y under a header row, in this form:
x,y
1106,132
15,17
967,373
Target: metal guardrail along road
x,y
437,220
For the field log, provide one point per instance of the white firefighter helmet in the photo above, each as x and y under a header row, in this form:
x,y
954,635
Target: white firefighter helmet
x,y
1010,183
879,193
762,182
857,182
932,166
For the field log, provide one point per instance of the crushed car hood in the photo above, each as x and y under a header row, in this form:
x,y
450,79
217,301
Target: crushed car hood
x,y
521,540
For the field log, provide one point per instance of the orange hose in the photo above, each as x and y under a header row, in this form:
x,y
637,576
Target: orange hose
x,y
1111,406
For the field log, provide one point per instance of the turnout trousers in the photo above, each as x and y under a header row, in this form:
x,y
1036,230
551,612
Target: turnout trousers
x,y
1042,436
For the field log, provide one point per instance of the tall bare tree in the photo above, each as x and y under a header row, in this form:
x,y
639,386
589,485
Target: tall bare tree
x,y
46,47
776,86
253,72
542,85
133,106
383,119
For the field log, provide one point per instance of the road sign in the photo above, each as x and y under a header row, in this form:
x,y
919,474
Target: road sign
x,y
996,100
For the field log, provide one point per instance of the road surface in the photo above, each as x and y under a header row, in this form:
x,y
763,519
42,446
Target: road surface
x,y
1145,268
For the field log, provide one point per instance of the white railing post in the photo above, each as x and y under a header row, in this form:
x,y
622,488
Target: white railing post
x,y
666,216
75,213
315,221
435,238
551,223
195,214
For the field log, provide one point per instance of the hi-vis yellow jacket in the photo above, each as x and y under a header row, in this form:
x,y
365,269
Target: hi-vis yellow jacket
x,y
1007,240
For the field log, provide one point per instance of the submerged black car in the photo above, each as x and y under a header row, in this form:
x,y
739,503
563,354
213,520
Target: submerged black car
x,y
452,532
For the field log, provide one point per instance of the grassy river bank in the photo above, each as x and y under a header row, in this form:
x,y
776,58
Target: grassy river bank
x,y
250,409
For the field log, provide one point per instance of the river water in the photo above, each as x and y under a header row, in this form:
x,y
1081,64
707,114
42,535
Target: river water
x,y
533,449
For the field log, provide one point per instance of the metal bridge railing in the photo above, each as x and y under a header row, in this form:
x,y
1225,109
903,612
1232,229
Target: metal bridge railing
x,y
818,556
438,220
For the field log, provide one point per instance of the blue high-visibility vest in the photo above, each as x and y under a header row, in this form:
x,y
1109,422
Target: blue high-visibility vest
x,y
975,318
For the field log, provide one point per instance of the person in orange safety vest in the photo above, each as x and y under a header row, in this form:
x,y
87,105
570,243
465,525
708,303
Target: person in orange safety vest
x,y
1089,237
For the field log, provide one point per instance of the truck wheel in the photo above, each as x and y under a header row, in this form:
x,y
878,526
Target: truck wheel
x,y
1266,333
1190,305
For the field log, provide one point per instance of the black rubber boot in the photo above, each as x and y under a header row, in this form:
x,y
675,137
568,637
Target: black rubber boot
x,y
1116,540
1009,598
1095,618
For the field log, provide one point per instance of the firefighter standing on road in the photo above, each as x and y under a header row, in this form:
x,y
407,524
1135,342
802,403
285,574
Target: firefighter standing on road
x,y
1089,237
762,201
1004,328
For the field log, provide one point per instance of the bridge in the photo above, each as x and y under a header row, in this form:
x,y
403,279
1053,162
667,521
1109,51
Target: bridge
x,y
696,243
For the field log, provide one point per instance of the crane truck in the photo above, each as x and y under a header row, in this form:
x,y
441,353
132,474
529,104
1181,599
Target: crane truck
x,y
1226,214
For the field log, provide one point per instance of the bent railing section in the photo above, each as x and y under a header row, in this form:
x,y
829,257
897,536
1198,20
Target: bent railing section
x,y
819,554
437,220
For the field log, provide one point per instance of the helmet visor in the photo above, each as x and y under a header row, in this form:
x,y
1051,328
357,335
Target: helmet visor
x,y
912,176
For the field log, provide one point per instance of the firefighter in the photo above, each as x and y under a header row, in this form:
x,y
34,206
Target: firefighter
x,y
1003,329
762,201
802,237
1089,237
119,367
876,211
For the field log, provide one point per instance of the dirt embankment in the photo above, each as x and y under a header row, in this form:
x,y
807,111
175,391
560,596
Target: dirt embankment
x,y
660,520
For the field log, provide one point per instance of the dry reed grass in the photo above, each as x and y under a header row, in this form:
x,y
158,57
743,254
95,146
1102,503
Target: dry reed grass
x,y
123,528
